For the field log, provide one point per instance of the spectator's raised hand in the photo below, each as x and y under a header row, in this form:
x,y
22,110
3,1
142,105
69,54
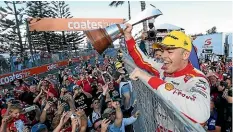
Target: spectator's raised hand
x,y
67,97
136,114
26,129
105,88
60,107
104,125
135,74
115,104
80,112
48,105
6,119
75,122
64,118
63,90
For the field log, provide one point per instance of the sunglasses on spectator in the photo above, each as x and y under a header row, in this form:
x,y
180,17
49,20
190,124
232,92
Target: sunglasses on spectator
x,y
97,102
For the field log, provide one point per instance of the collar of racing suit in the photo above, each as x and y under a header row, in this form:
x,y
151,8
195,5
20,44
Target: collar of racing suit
x,y
187,69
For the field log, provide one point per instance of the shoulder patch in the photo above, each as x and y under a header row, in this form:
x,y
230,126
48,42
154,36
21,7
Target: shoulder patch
x,y
169,86
188,77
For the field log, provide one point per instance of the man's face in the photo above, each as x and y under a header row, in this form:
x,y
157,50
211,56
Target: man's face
x,y
158,54
67,82
33,88
173,59
15,113
213,80
211,105
17,83
96,104
100,87
228,82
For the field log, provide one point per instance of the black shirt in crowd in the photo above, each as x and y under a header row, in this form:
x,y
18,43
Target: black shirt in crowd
x,y
82,102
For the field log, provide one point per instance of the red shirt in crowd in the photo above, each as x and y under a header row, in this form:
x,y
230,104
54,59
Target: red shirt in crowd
x,y
85,84
11,125
22,88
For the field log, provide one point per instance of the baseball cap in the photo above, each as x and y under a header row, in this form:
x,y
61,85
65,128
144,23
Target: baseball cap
x,y
37,127
107,112
118,65
177,39
76,87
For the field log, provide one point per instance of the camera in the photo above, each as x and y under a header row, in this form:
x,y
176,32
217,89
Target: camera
x,y
151,34
31,108
73,116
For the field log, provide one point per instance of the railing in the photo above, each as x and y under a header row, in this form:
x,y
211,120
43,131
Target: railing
x,y
155,111
9,65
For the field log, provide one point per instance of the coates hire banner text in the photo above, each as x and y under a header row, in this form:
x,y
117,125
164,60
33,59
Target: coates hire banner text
x,y
70,24
210,41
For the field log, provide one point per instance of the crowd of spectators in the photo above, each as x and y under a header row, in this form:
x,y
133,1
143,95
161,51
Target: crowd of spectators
x,y
16,61
87,98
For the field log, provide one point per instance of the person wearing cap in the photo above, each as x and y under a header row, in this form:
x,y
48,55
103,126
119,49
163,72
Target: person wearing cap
x,y
175,78
39,128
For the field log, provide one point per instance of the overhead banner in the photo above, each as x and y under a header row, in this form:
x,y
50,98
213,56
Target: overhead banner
x,y
70,24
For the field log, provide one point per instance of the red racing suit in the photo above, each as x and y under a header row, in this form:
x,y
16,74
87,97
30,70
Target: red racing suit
x,y
188,90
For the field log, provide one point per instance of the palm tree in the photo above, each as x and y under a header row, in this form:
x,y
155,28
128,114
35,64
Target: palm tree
x,y
143,6
117,3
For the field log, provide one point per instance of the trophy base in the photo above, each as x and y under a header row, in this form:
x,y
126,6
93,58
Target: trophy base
x,y
99,39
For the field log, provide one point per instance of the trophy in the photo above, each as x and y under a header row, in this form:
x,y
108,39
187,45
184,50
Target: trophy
x,y
102,38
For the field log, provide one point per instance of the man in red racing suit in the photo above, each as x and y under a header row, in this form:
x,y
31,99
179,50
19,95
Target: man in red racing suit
x,y
175,78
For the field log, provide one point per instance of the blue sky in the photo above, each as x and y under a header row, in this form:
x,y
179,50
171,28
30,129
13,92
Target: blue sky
x,y
193,16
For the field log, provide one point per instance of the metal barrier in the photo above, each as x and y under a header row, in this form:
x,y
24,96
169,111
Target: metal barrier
x,y
9,65
155,111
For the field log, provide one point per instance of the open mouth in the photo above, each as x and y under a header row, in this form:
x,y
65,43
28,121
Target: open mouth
x,y
166,65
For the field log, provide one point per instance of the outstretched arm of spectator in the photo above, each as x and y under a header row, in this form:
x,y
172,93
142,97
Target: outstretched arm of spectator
x,y
44,112
87,94
70,101
64,118
111,77
119,79
104,125
38,113
38,96
58,114
83,118
103,104
119,115
132,119
4,124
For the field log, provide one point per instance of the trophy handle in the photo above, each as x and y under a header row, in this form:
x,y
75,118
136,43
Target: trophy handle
x,y
148,13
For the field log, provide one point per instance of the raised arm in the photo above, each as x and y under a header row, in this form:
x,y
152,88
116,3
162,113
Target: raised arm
x,y
141,60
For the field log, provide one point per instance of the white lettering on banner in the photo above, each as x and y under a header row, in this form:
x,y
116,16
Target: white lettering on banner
x,y
53,66
12,77
88,25
180,93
